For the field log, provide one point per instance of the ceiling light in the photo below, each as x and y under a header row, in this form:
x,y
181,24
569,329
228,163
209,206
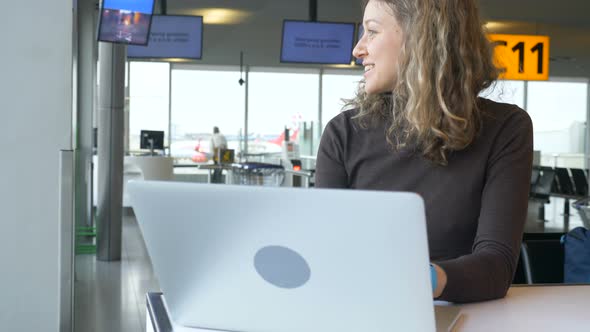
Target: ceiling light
x,y
495,25
221,15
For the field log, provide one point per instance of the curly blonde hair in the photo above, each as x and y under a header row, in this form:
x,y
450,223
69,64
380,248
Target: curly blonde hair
x,y
446,61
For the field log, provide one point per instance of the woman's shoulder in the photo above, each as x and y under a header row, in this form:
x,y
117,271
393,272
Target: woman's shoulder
x,y
497,113
345,116
504,124
343,122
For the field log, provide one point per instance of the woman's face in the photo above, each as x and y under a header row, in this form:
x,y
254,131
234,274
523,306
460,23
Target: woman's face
x,y
379,47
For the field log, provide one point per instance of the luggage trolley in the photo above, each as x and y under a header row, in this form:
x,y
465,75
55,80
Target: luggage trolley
x,y
258,174
583,207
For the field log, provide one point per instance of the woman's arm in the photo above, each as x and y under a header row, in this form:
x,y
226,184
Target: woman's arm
x,y
488,271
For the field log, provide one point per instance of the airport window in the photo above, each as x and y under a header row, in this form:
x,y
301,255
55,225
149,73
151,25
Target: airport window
x,y
504,91
202,99
148,99
558,111
277,100
335,88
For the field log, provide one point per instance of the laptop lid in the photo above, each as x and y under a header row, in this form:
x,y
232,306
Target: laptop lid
x,y
248,258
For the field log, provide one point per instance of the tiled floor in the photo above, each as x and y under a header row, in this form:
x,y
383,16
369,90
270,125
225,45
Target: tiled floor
x,y
110,296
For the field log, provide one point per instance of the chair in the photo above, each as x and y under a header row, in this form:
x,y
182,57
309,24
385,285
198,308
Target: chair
x,y
582,205
544,185
523,274
565,189
541,189
580,181
564,182
535,176
541,259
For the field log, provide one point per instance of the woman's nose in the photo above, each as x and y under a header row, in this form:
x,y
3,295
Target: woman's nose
x,y
359,50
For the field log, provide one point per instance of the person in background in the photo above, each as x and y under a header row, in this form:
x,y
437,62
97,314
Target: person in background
x,y
218,143
417,124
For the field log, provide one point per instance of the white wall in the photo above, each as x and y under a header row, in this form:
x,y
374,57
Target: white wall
x,y
35,111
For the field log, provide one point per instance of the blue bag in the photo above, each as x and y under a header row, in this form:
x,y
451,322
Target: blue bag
x,y
576,268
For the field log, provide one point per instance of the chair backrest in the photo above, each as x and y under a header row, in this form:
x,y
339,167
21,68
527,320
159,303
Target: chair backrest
x,y
535,176
580,181
542,188
523,274
545,259
564,181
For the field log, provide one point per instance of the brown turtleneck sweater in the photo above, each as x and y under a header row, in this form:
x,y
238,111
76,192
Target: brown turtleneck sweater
x,y
476,206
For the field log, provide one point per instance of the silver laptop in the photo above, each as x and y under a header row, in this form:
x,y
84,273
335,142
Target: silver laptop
x,y
262,259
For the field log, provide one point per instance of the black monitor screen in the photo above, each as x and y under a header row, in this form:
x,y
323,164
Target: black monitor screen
x,y
147,137
172,36
125,21
317,42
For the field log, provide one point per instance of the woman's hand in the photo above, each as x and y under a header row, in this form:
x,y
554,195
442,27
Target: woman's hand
x,y
441,281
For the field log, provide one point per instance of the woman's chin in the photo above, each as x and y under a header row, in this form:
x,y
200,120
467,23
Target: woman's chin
x,y
370,90
376,90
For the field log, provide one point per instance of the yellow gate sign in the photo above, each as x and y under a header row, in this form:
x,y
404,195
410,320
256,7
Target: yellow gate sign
x,y
523,57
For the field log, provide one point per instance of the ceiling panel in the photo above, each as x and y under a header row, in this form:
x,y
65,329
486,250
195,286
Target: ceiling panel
x,y
567,22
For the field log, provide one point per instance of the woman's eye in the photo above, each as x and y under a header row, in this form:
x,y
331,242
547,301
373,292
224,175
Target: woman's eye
x,y
371,32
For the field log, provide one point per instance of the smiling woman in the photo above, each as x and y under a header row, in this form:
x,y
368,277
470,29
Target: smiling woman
x,y
380,45
418,124
428,66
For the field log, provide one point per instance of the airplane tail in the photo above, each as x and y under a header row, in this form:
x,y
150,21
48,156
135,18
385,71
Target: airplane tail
x,y
292,137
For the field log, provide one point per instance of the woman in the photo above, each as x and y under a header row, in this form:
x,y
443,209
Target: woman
x,y
418,125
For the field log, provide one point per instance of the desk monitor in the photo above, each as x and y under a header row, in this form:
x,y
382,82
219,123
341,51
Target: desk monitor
x,y
125,21
172,37
317,42
152,140
240,258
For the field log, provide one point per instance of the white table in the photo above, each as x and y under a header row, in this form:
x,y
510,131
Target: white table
x,y
532,308
138,168
525,308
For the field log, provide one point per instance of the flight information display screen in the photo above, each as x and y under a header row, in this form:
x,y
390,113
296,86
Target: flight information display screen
x,y
172,36
317,42
125,21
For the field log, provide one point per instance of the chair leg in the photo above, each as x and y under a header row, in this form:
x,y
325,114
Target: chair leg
x,y
526,263
541,212
566,214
